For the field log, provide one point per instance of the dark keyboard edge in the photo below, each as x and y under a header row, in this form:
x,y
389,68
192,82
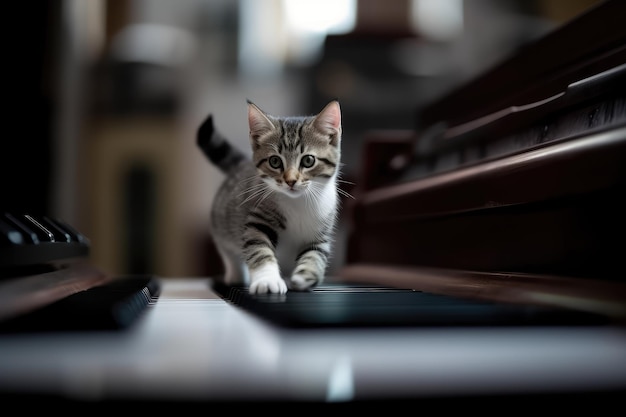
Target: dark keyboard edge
x,y
114,305
380,306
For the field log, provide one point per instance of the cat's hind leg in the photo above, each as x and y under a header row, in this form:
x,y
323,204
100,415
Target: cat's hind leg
x,y
235,270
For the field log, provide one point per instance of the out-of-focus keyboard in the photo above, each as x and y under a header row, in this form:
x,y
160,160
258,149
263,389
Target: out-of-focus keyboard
x,y
34,240
48,284
110,306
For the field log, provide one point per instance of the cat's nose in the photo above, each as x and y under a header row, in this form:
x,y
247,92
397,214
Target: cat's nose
x,y
290,177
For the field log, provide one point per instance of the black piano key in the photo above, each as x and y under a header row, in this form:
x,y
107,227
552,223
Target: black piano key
x,y
10,235
74,235
29,240
60,234
14,223
43,233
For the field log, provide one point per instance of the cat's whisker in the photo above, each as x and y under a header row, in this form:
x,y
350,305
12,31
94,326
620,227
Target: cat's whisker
x,y
345,193
252,189
310,196
248,180
315,193
258,192
267,192
258,196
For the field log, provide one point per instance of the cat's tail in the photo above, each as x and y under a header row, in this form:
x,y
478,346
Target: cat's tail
x,y
216,147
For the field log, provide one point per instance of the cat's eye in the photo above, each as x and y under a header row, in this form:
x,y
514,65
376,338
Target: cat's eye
x,y
275,162
307,161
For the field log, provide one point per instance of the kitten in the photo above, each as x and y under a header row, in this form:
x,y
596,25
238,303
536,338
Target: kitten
x,y
273,218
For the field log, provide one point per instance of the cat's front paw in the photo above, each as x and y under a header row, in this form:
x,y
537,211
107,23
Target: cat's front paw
x,y
268,284
302,282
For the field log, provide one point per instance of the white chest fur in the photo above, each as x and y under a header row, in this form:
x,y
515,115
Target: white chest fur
x,y
305,218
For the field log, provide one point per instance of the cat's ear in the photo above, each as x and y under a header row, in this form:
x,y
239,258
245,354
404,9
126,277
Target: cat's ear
x,y
328,121
258,122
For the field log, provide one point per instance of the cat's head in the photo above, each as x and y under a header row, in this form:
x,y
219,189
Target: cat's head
x,y
295,155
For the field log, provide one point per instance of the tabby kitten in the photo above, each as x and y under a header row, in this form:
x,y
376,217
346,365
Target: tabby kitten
x,y
273,218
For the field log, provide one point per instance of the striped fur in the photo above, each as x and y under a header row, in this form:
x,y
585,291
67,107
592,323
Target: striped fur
x,y
273,218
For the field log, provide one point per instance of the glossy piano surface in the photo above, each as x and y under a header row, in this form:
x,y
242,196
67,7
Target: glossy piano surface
x,y
192,346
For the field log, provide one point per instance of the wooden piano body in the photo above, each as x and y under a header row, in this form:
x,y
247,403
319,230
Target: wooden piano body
x,y
511,187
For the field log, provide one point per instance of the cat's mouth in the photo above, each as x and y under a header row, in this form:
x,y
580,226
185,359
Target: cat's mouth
x,y
293,191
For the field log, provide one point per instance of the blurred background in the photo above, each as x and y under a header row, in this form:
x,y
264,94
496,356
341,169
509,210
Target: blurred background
x,y
104,99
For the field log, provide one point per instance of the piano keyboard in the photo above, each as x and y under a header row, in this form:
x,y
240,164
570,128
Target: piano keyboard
x,y
355,305
46,283
70,298
111,306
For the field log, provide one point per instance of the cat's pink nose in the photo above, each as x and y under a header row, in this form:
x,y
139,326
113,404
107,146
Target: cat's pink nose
x,y
291,183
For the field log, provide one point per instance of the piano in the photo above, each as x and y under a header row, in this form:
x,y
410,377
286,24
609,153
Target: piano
x,y
511,185
483,269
